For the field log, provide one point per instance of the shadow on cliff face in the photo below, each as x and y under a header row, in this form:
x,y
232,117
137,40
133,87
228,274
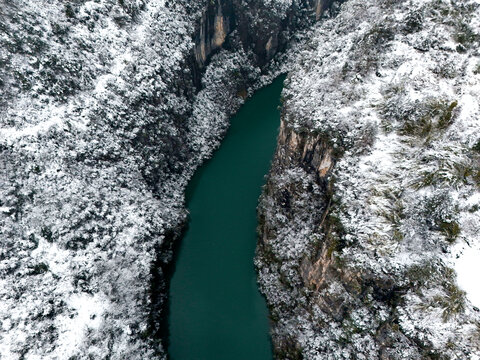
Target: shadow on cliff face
x,y
162,271
254,26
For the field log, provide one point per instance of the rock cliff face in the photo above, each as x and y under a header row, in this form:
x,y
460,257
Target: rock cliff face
x,y
216,22
293,216
370,213
264,28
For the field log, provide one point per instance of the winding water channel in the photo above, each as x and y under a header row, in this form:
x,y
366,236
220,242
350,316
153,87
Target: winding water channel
x,y
216,310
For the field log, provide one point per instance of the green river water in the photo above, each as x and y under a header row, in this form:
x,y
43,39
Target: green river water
x,y
216,310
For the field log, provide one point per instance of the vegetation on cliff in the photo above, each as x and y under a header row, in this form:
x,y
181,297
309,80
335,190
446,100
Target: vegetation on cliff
x,y
373,259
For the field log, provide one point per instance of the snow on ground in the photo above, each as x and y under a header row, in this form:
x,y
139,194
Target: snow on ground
x,y
99,134
8,135
72,330
466,262
78,223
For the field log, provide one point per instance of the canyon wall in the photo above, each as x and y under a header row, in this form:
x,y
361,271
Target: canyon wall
x,y
370,213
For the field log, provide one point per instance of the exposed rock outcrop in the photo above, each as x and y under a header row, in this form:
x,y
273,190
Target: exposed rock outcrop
x,y
264,28
216,23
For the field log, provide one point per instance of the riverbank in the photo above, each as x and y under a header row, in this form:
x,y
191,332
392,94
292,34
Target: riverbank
x,y
216,310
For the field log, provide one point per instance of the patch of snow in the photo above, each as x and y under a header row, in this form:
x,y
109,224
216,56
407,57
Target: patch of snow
x,y
10,134
87,314
466,262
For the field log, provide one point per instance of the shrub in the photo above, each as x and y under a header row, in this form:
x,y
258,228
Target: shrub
x,y
39,269
335,233
46,233
448,172
366,56
288,349
379,35
433,114
69,11
419,118
446,69
476,147
453,302
445,113
419,275
434,274
413,22
464,35
450,229
440,215
476,71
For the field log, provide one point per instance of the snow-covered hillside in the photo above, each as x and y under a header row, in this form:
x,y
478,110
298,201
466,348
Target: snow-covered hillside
x,y
88,117
369,221
371,239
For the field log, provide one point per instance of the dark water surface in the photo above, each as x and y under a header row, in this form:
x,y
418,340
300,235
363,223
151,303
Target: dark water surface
x,y
216,310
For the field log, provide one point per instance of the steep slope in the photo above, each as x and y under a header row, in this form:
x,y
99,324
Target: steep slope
x,y
90,123
372,203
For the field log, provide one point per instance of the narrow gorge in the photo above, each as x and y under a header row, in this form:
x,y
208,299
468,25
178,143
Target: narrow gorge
x,y
216,310
368,224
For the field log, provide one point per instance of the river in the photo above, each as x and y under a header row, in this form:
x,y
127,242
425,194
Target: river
x,y
216,311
